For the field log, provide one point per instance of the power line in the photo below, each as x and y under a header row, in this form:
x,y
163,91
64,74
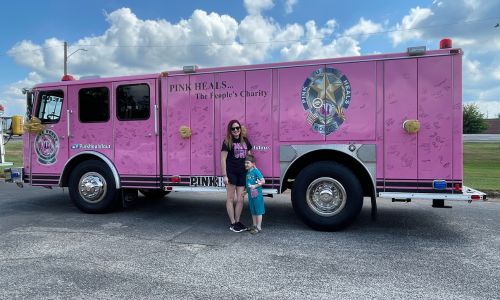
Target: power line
x,y
288,41
33,50
483,20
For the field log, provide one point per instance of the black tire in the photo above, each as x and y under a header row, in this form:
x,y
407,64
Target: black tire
x,y
101,195
154,193
327,213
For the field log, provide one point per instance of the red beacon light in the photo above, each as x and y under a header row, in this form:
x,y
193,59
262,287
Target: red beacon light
x,y
67,78
445,44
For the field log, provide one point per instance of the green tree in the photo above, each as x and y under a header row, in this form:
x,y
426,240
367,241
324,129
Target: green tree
x,y
473,119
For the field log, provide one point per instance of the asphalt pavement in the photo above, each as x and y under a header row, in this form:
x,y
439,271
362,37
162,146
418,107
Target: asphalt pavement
x,y
180,248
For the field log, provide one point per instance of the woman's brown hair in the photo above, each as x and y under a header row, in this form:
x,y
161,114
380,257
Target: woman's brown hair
x,y
228,139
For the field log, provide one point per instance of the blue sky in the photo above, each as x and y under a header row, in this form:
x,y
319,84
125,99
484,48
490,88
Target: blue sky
x,y
135,37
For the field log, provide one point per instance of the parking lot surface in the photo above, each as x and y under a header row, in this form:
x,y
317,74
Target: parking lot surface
x,y
180,247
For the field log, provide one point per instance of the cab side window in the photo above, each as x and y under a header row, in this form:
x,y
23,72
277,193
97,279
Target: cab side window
x,y
93,105
49,106
132,102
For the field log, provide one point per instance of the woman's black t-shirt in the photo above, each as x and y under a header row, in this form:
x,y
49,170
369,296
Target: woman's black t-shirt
x,y
235,161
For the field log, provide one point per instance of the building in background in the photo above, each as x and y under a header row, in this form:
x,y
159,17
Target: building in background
x,y
493,126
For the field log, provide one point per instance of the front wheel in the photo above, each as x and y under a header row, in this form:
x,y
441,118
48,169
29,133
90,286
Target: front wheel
x,y
327,195
92,187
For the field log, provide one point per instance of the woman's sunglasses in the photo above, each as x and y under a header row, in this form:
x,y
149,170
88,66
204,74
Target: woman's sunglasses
x,y
235,128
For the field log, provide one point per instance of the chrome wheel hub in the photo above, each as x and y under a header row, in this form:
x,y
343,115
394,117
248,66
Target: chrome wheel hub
x,y
92,187
326,196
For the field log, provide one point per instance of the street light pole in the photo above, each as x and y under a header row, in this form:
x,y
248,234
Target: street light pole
x,y
66,56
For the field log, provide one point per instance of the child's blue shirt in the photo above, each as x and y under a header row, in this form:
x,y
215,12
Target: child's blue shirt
x,y
252,176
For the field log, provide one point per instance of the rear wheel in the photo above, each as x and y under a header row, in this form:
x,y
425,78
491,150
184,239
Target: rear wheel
x,y
92,187
327,195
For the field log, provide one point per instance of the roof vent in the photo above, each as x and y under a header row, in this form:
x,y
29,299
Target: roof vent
x,y
414,51
190,69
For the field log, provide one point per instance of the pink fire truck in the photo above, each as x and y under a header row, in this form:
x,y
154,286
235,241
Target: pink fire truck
x,y
333,131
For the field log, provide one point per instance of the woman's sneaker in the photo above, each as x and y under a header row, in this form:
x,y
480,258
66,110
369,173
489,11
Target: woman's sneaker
x,y
241,226
238,227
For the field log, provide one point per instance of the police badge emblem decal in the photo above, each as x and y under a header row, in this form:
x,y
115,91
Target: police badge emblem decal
x,y
325,97
47,147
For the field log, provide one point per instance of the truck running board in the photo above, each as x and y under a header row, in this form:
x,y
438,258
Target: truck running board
x,y
468,194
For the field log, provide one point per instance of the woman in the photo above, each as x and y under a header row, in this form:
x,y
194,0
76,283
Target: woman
x,y
234,150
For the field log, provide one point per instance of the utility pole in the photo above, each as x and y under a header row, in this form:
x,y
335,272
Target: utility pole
x,y
65,58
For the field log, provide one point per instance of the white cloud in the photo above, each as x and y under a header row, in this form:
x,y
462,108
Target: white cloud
x,y
489,108
42,58
289,4
472,4
255,7
471,70
467,21
364,28
405,31
291,33
256,33
310,43
470,25
313,41
496,73
131,45
12,98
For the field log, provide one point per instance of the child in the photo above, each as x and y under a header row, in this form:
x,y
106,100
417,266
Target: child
x,y
254,184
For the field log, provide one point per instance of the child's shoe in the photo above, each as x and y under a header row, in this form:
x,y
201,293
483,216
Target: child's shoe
x,y
254,230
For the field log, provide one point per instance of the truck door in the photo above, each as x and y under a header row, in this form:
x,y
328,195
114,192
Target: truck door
x,y
49,152
435,113
176,109
400,104
136,133
259,121
202,97
91,122
190,105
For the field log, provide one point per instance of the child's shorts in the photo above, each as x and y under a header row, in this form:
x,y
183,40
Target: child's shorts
x,y
256,205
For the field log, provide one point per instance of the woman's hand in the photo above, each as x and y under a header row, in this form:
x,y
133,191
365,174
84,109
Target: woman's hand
x,y
223,157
